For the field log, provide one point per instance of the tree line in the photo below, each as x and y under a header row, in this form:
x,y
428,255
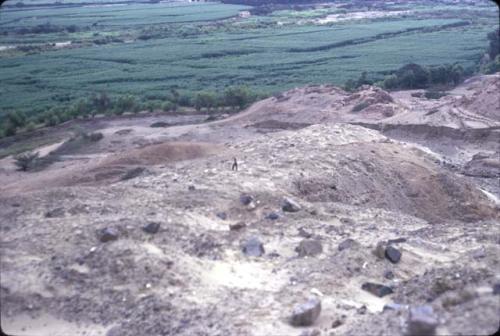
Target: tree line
x,y
232,99
415,76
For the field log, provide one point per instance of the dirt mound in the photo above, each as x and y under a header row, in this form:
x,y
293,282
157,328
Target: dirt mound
x,y
483,165
162,153
351,187
483,97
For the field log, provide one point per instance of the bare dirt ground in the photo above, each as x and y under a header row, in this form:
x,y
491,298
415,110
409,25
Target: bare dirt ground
x,y
422,172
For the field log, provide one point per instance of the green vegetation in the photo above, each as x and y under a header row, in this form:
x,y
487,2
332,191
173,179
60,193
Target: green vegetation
x,y
68,61
26,161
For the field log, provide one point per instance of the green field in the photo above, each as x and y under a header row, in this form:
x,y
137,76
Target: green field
x,y
206,47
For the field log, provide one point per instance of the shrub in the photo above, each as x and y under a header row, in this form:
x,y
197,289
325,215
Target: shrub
x,y
432,94
167,106
26,161
30,126
94,137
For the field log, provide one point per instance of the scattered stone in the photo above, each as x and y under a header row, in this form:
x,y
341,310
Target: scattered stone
x,y
251,206
394,306
273,255
478,254
362,310
455,298
133,173
393,254
253,247
422,321
272,216
123,131
380,249
496,288
108,234
376,289
246,199
337,323
237,226
221,215
115,331
304,233
152,227
290,205
191,188
309,248
305,314
348,243
397,240
389,275
347,221
57,212
313,332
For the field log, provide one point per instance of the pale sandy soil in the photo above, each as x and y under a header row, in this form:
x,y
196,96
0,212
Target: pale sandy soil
x,y
405,178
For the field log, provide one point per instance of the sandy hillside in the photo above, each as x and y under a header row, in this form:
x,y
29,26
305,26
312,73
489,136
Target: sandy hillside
x,y
149,231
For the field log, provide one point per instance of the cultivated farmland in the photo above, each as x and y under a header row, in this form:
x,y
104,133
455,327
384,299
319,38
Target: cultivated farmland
x,y
55,55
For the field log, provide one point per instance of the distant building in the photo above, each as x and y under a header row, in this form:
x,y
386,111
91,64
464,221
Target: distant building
x,y
244,14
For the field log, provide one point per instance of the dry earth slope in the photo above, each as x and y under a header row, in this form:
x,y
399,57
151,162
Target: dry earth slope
x,y
191,247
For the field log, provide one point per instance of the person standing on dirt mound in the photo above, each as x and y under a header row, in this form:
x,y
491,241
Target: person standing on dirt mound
x,y
234,167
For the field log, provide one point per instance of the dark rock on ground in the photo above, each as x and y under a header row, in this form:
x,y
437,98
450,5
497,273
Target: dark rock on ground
x,y
273,255
290,205
496,288
133,173
392,254
346,244
246,199
191,188
221,215
389,275
253,247
237,226
152,227
337,323
57,212
305,314
304,233
123,131
397,240
362,310
377,289
309,248
272,216
422,321
108,234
